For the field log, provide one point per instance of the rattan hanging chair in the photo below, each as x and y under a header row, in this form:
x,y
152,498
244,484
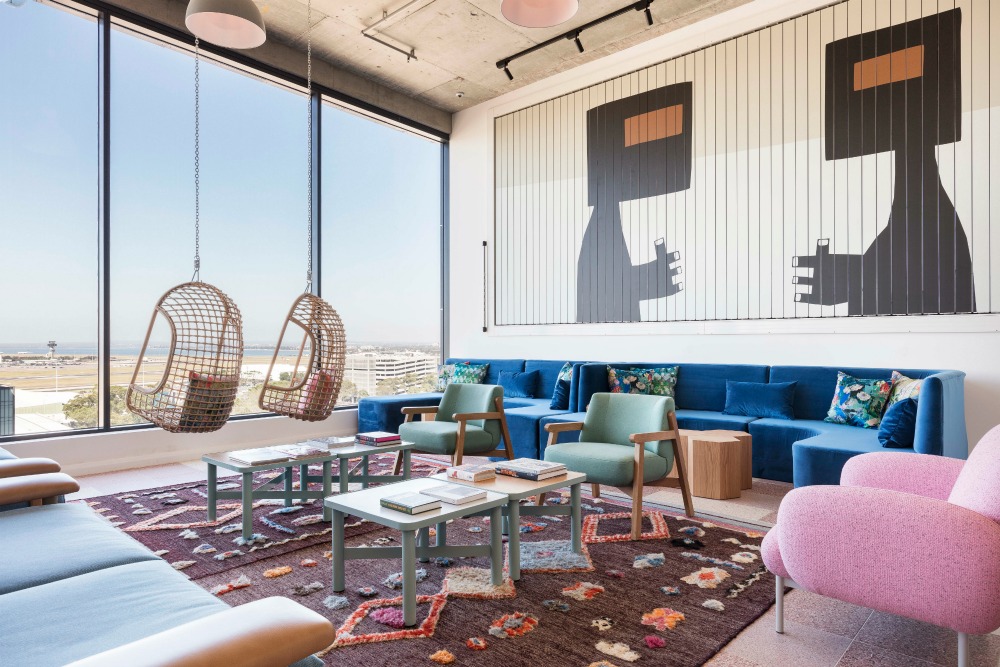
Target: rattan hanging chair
x,y
314,384
199,384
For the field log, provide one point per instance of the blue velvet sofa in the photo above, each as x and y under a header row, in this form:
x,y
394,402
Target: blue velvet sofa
x,y
805,450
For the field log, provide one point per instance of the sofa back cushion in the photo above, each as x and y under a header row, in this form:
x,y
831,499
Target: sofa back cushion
x,y
548,372
816,384
496,365
978,485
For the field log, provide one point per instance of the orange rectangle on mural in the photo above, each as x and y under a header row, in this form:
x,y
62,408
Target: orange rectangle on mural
x,y
890,68
653,125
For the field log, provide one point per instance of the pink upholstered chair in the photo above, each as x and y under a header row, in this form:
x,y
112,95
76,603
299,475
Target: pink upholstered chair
x,y
908,534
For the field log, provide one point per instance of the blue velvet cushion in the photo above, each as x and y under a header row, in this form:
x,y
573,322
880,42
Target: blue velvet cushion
x,y
772,400
560,393
899,425
518,385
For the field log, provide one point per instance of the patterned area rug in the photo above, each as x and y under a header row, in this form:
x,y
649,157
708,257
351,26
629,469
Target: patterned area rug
x,y
674,598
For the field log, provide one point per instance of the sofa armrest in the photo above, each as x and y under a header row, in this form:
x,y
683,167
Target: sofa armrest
x,y
29,466
919,474
895,552
940,425
271,632
38,489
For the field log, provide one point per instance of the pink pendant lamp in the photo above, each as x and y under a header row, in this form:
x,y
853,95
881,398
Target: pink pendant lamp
x,y
233,24
538,13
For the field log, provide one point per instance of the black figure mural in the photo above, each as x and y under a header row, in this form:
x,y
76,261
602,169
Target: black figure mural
x,y
897,89
637,147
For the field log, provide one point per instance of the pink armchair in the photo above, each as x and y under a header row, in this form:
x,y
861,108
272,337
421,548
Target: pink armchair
x,y
908,534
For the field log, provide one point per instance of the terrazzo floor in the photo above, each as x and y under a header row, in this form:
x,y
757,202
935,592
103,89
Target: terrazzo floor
x,y
819,632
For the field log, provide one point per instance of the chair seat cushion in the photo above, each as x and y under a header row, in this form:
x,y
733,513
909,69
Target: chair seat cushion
x,y
52,542
605,463
439,437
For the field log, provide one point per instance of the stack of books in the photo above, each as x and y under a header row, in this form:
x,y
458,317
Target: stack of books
x,y
377,439
472,472
531,469
256,457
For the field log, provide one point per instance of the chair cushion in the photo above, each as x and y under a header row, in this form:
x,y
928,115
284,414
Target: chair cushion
x,y
760,399
615,417
71,618
606,463
440,437
899,425
52,542
518,385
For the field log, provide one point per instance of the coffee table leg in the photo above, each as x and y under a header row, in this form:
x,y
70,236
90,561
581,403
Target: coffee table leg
x,y
514,538
406,464
247,496
364,471
409,578
344,473
288,486
337,547
575,524
213,487
327,486
442,534
303,480
424,538
496,546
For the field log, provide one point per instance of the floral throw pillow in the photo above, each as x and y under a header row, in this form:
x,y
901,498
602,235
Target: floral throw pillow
x,y
858,402
663,381
622,381
902,389
463,373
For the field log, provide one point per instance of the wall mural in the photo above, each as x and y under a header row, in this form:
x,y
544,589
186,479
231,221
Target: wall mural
x,y
835,164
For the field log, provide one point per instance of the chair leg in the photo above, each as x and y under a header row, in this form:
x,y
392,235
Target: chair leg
x,y
637,508
682,477
504,431
540,499
459,444
397,465
779,605
963,649
595,490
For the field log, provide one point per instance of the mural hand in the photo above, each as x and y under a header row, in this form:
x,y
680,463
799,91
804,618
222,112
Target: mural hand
x,y
830,280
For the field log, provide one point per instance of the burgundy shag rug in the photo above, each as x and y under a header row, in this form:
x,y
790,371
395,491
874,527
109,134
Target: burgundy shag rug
x,y
672,599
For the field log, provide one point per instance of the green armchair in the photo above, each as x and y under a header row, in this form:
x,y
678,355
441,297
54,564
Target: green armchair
x,y
469,420
627,441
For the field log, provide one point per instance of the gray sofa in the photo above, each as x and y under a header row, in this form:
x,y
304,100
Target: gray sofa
x,y
77,591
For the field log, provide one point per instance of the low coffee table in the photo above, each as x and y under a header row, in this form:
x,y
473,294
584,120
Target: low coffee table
x,y
516,490
366,504
342,454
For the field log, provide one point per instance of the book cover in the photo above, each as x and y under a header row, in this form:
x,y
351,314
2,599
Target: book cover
x,y
455,494
529,475
410,503
472,472
530,465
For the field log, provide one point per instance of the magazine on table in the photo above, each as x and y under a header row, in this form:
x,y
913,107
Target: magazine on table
x,y
259,456
530,469
455,494
303,450
410,503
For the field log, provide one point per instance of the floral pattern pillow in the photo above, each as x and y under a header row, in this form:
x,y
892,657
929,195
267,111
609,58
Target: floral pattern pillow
x,y
463,373
902,389
634,381
663,381
858,402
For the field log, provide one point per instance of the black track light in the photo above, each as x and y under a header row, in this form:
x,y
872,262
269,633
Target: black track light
x,y
506,71
579,44
649,16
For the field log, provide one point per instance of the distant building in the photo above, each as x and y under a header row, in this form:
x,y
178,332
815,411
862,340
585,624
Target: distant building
x,y
366,368
6,410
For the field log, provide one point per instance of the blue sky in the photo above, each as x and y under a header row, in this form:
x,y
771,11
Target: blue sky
x,y
379,186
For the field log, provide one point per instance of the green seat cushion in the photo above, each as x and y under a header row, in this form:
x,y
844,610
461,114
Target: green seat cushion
x,y
606,463
44,544
439,437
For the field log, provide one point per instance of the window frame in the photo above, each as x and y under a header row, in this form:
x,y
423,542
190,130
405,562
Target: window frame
x,y
109,17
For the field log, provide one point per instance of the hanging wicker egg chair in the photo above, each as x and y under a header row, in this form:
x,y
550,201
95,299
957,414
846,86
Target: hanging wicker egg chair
x,y
314,384
199,384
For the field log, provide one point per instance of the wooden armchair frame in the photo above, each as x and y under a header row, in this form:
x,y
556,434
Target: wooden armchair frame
x,y
638,484
462,419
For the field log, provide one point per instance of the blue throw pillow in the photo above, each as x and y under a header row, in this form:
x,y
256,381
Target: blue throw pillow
x,y
760,399
899,425
560,393
518,385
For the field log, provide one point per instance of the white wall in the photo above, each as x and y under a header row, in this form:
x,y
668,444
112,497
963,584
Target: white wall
x,y
968,343
103,452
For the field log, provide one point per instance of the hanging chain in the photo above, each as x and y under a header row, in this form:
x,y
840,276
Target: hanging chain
x,y
309,142
197,166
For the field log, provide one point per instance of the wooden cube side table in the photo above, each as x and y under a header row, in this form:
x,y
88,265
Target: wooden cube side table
x,y
746,454
714,465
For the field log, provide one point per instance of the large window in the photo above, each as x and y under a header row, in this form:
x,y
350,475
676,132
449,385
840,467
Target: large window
x,y
382,252
380,257
48,216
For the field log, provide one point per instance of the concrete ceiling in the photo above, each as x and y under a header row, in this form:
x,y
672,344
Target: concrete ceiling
x,y
458,42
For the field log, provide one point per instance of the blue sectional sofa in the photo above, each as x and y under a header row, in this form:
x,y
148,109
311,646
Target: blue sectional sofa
x,y
805,450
